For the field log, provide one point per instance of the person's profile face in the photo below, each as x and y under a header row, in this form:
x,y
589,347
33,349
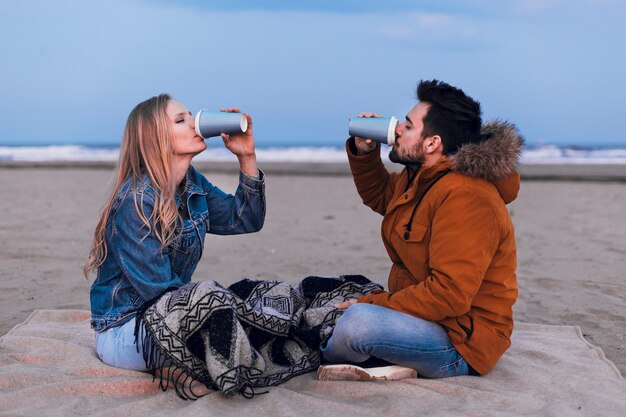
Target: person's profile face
x,y
182,123
408,145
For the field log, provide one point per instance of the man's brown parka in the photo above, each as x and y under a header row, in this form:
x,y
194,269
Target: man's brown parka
x,y
455,264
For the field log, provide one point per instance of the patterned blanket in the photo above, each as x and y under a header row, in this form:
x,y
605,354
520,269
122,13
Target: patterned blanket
x,y
252,334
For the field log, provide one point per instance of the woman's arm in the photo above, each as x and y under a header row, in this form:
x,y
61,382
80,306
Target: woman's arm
x,y
243,212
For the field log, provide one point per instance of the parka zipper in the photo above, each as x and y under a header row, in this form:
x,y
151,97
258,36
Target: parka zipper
x,y
407,227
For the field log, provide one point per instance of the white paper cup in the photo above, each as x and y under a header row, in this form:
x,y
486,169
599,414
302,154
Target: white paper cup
x,y
210,124
378,129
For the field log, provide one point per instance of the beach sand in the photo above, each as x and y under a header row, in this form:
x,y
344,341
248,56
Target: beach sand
x,y
571,236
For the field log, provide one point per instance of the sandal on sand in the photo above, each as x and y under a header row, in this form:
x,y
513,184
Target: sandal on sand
x,y
345,372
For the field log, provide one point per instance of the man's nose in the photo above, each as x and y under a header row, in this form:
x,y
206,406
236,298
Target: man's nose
x,y
399,128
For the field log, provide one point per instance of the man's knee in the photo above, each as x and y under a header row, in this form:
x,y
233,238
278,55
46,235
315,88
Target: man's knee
x,y
358,322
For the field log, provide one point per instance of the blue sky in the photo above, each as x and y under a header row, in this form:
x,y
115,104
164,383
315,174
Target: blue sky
x,y
73,69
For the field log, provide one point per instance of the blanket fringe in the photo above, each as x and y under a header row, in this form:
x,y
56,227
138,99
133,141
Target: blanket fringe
x,y
167,370
243,388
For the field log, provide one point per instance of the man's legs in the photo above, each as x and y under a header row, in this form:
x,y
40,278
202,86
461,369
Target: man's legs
x,y
366,330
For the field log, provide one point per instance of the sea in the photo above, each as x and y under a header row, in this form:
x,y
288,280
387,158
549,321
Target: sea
x,y
533,154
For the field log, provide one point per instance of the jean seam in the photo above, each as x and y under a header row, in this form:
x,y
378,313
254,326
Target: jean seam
x,y
456,365
373,347
382,345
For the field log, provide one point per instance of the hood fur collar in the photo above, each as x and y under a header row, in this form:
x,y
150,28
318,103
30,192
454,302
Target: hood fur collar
x,y
495,157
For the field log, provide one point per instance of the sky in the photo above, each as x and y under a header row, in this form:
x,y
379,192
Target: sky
x,y
72,70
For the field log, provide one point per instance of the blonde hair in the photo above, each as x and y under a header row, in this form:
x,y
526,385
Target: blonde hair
x,y
147,148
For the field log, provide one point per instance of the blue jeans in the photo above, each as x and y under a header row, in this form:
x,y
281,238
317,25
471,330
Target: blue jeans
x,y
116,347
368,330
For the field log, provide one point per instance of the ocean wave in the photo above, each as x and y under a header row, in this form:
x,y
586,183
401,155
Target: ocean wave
x,y
549,154
552,154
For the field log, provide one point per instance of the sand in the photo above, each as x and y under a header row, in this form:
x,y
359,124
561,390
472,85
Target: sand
x,y
571,235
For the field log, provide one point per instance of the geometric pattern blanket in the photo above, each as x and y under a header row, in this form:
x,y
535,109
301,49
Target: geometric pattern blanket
x,y
253,334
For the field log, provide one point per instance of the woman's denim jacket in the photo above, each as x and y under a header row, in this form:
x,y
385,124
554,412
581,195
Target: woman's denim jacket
x,y
136,270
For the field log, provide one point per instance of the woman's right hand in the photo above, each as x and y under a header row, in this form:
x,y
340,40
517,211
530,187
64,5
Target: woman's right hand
x,y
365,145
242,146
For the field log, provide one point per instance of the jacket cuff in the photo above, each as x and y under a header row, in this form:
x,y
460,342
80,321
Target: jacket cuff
x,y
361,163
372,297
353,151
254,185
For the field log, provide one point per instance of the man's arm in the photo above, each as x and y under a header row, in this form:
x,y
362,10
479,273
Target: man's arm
x,y
373,182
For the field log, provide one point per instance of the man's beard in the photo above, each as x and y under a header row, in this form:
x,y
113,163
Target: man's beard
x,y
413,161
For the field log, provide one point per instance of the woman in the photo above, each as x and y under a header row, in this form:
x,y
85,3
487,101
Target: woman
x,y
150,235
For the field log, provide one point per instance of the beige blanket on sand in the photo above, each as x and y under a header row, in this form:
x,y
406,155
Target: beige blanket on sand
x,y
48,367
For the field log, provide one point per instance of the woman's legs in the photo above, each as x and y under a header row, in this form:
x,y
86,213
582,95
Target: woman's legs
x,y
366,330
116,347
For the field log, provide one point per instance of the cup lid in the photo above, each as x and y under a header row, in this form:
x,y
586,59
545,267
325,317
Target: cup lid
x,y
197,123
391,132
243,123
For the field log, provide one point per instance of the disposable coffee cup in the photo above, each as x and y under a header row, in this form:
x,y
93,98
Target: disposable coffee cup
x,y
378,129
210,124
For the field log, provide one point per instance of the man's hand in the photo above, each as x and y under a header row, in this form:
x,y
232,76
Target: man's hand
x,y
365,145
345,304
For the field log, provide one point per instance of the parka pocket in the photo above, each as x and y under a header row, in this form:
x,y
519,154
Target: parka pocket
x,y
412,248
415,235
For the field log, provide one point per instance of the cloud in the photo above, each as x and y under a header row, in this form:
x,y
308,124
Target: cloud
x,y
438,30
352,6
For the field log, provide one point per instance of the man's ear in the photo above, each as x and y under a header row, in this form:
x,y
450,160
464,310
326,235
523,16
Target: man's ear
x,y
433,144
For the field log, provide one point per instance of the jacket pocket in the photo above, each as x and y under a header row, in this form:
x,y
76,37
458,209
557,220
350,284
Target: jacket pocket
x,y
415,235
466,323
186,240
412,249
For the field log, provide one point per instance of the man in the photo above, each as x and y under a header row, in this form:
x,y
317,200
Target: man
x,y
449,235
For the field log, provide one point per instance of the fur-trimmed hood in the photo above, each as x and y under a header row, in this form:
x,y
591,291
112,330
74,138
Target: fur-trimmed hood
x,y
495,157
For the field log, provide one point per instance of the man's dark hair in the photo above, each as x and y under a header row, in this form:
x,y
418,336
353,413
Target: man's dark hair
x,y
452,114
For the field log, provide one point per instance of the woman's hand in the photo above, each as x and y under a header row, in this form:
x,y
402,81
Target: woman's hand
x,y
242,146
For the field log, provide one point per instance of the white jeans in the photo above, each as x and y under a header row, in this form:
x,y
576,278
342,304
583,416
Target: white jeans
x,y
116,347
